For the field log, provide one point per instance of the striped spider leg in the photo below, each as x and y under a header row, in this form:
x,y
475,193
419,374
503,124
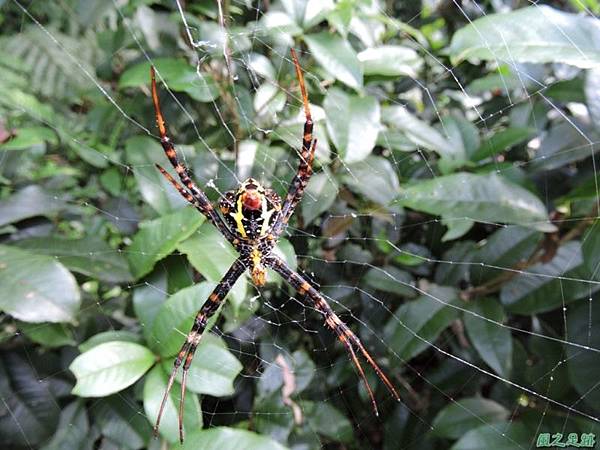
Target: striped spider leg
x,y
343,332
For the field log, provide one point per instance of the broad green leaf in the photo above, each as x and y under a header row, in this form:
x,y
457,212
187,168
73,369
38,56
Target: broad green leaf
x,y
142,153
497,436
177,74
482,198
375,178
537,34
109,336
337,57
320,194
73,429
36,288
461,133
90,256
175,318
459,417
159,237
583,322
390,60
110,367
213,369
155,386
420,321
114,417
28,404
328,421
592,94
492,342
50,335
28,202
422,134
212,255
590,246
391,279
503,249
539,290
148,298
502,141
224,438
272,378
29,136
346,114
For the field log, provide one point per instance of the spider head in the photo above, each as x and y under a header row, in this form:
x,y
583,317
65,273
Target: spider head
x,y
250,210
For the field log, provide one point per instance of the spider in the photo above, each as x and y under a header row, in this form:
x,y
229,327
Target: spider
x,y
252,218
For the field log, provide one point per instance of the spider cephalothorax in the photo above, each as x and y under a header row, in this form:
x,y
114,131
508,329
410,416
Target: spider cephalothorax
x,y
252,219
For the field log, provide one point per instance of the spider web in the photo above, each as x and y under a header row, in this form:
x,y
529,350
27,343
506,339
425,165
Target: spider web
x,y
269,329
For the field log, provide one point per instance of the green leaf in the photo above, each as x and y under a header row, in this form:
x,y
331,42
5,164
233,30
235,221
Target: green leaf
x,y
155,386
224,438
50,335
328,421
177,74
159,237
90,256
36,288
390,60
420,321
109,336
583,322
538,289
482,198
423,134
346,114
492,342
320,194
272,378
114,417
212,255
176,316
110,367
502,141
337,57
213,369
459,417
504,248
391,279
375,178
28,202
28,404
537,34
590,246
142,153
73,429
497,436
29,136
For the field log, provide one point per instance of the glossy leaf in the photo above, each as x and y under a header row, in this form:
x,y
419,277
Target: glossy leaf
x,y
29,136
501,142
458,418
346,114
110,367
28,202
492,342
390,60
36,288
224,438
320,194
483,198
155,385
420,321
159,237
89,256
382,185
337,57
500,436
537,34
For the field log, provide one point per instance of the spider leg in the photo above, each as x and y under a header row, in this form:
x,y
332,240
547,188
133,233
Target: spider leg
x,y
202,202
343,332
186,353
307,155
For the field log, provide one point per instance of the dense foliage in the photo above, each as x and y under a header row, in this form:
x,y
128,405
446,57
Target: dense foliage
x,y
451,221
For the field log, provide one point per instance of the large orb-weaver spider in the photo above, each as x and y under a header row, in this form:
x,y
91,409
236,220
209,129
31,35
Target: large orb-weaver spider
x,y
252,219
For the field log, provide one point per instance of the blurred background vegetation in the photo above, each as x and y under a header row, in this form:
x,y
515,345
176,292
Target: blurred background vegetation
x,y
451,221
